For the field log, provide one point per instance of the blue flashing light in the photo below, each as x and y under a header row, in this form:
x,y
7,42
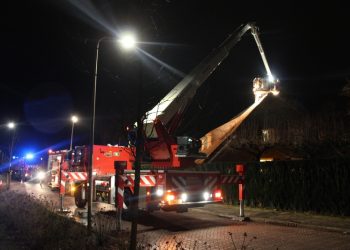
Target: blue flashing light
x,y
29,156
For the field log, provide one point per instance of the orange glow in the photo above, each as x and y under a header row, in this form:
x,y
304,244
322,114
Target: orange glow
x,y
266,159
170,197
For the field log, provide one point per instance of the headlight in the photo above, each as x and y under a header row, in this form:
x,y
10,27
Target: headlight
x,y
206,196
170,197
184,197
40,175
159,192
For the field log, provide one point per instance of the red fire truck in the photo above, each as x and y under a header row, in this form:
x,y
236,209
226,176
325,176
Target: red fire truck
x,y
166,182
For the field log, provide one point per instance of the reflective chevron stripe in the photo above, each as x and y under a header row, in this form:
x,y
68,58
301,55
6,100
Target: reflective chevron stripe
x,y
145,180
231,179
179,182
77,176
210,182
120,198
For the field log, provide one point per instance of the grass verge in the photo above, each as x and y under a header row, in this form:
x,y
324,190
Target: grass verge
x,y
36,226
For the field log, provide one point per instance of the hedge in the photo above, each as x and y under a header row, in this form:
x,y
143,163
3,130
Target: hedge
x,y
321,186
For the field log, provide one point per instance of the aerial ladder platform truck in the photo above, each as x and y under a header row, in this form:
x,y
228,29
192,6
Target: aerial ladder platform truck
x,y
165,177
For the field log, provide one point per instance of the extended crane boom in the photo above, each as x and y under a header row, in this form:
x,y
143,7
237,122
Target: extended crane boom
x,y
177,99
161,121
214,139
255,34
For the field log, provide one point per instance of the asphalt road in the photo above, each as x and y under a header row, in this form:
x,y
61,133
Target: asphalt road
x,y
198,229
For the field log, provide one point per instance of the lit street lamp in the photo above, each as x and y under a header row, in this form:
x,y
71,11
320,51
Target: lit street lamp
x,y
11,126
128,42
74,120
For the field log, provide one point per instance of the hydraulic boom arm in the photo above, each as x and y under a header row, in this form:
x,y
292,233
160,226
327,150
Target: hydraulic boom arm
x,y
161,121
215,138
261,50
177,99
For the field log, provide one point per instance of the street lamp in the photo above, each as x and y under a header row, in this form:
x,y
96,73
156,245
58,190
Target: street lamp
x,y
127,41
11,126
74,120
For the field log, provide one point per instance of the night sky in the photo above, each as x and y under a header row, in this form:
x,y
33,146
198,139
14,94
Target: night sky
x,y
48,55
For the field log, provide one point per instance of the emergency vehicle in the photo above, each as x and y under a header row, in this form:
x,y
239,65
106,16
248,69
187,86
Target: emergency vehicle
x,y
166,181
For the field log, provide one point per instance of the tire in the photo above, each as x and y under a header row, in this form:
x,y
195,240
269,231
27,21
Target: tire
x,y
79,202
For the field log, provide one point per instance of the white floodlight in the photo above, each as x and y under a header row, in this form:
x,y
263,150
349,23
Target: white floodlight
x,y
271,78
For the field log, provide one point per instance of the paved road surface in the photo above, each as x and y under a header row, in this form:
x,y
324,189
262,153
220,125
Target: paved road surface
x,y
200,230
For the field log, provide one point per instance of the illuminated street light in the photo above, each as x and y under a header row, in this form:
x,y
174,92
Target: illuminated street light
x,y
128,42
74,120
11,125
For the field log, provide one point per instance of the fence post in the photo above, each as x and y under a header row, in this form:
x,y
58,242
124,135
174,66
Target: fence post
x,y
119,167
62,183
240,171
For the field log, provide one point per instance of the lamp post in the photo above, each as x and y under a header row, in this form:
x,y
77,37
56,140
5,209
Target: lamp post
x,y
128,42
11,126
74,120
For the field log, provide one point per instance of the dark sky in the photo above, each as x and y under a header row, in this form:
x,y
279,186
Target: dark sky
x,y
48,54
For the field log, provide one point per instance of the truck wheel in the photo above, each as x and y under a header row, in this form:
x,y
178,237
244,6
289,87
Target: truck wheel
x,y
79,202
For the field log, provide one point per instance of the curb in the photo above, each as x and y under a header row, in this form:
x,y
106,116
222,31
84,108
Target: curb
x,y
233,217
287,224
345,231
302,225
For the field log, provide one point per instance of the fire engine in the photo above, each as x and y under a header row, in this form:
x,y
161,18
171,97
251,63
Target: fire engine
x,y
166,181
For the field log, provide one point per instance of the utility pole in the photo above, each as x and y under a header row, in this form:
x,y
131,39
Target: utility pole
x,y
138,160
127,41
